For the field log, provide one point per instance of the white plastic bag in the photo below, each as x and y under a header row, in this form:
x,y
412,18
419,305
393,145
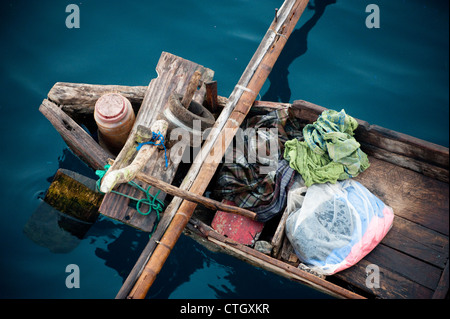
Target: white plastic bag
x,y
337,225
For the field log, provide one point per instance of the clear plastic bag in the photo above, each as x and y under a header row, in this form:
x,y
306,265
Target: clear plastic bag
x,y
296,195
337,225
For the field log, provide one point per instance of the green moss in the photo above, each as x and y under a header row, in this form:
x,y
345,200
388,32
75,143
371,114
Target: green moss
x,y
73,198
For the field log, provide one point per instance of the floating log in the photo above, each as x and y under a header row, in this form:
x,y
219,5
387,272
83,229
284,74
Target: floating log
x,y
230,119
69,209
73,198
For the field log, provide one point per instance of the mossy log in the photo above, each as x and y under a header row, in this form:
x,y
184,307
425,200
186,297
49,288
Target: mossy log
x,y
72,197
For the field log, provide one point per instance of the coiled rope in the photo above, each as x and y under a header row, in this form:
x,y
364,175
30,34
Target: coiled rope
x,y
153,203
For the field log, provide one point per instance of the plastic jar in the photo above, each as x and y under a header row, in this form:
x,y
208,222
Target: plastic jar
x,y
115,117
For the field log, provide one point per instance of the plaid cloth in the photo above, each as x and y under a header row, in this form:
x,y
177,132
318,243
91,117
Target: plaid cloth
x,y
260,183
284,178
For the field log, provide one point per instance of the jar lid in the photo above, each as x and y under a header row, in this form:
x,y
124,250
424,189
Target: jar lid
x,y
111,107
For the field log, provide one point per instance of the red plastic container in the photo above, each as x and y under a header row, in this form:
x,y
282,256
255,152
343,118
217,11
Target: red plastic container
x,y
115,117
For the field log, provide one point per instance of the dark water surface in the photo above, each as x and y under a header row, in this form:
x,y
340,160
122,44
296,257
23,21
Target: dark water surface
x,y
396,76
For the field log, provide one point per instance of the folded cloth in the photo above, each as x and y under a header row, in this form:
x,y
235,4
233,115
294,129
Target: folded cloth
x,y
329,151
259,182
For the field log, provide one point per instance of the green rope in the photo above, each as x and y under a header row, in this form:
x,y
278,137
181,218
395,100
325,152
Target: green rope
x,y
151,200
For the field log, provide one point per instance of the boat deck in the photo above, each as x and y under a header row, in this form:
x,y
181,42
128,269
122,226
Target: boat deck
x,y
413,257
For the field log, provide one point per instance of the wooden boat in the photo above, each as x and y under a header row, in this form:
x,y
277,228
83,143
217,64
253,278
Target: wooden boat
x,y
409,174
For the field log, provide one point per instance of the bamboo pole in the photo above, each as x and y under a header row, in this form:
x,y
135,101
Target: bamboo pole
x,y
239,104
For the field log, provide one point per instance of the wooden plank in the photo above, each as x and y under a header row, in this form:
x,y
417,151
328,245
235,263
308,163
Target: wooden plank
x,y
80,98
78,140
419,166
409,267
413,196
174,74
231,117
262,260
418,241
211,99
441,291
392,284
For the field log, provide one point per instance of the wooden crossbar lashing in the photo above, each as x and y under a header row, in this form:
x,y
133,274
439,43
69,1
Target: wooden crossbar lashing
x,y
239,103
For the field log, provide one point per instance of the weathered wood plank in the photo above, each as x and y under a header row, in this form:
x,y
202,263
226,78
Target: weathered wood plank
x,y
418,241
441,291
78,140
288,254
80,98
174,74
422,167
266,262
65,95
413,196
407,266
392,284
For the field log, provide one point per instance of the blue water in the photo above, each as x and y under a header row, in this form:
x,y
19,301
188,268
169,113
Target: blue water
x,y
396,76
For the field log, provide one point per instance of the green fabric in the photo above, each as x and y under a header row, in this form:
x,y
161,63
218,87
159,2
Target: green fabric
x,y
329,152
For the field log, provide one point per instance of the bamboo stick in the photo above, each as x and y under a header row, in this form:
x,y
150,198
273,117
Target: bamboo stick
x,y
207,202
227,124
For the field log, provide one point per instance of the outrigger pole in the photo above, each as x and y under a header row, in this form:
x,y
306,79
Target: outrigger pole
x,y
222,134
